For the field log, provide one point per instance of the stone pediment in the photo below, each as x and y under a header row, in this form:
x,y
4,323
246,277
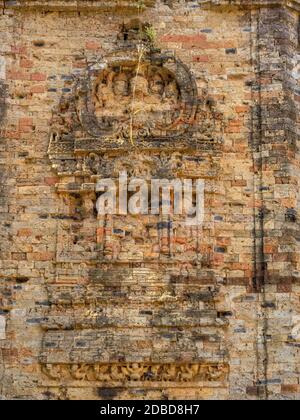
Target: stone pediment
x,y
142,99
126,100
130,100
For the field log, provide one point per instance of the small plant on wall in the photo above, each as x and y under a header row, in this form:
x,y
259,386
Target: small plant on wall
x,y
151,35
133,112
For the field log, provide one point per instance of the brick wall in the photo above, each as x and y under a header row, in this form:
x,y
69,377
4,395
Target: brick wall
x,y
131,307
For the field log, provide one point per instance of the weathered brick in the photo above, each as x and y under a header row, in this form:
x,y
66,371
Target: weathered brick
x,y
127,306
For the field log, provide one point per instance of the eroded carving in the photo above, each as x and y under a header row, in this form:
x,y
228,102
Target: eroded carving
x,y
154,98
144,97
137,99
138,372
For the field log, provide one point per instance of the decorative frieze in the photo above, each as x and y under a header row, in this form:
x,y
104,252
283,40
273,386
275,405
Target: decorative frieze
x,y
137,372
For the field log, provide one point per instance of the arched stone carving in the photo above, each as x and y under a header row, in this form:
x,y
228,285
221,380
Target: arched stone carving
x,y
154,99
123,105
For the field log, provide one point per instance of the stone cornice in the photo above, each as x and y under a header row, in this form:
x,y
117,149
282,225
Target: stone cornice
x,y
77,5
132,5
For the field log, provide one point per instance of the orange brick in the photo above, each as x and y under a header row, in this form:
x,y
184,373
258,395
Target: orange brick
x,y
201,59
24,232
12,134
79,65
239,183
164,241
223,241
269,249
51,180
93,45
38,89
290,389
241,266
241,109
41,256
178,240
233,130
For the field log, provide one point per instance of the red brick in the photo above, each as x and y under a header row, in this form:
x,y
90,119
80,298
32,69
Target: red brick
x,y
18,49
201,59
9,134
100,235
79,65
38,77
184,38
284,288
25,122
218,259
26,63
17,75
26,129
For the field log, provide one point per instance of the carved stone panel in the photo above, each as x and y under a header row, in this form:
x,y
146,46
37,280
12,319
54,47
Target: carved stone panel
x,y
138,372
154,98
131,300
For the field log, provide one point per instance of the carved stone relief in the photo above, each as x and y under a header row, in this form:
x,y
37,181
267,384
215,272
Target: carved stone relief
x,y
138,100
138,372
132,101
137,111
